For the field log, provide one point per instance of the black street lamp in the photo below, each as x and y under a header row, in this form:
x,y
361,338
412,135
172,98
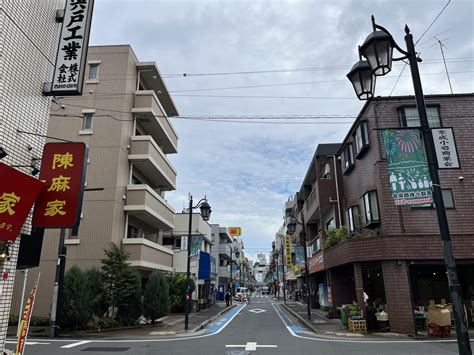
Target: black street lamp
x,y
378,49
291,227
206,214
276,256
233,251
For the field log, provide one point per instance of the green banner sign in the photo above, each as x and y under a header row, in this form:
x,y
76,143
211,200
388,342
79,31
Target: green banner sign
x,y
196,241
299,254
409,178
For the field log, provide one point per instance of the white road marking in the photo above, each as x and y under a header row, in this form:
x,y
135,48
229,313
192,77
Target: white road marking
x,y
27,343
73,345
251,346
257,310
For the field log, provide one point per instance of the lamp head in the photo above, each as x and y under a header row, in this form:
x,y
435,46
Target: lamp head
x,y
378,49
206,211
291,226
363,80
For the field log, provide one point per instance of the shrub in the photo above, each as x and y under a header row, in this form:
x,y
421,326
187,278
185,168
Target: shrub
x,y
94,285
177,290
156,302
335,236
75,310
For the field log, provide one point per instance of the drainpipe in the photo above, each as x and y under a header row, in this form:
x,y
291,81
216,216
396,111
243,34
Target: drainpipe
x,y
337,190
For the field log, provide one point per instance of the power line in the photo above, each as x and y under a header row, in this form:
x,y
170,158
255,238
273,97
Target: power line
x,y
432,23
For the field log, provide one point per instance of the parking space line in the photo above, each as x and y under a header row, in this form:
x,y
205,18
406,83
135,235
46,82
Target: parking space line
x,y
73,345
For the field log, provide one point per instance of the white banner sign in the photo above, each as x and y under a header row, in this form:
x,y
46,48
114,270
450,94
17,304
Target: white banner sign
x,y
72,52
445,147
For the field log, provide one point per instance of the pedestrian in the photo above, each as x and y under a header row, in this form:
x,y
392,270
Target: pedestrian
x,y
248,297
227,298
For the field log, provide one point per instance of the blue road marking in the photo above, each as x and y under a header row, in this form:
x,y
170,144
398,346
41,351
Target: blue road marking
x,y
296,329
224,320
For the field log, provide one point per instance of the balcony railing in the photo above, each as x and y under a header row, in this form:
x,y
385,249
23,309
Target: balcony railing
x,y
148,255
147,157
149,207
152,118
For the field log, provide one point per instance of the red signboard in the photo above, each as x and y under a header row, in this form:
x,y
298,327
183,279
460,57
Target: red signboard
x,y
18,193
63,168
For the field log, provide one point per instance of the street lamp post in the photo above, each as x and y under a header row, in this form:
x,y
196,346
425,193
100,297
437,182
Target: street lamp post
x,y
378,49
291,226
283,271
206,214
277,288
237,254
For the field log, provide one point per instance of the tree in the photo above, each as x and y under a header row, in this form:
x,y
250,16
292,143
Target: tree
x,y
177,291
122,286
75,311
94,284
156,301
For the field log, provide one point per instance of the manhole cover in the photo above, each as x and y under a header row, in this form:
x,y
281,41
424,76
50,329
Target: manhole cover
x,y
104,349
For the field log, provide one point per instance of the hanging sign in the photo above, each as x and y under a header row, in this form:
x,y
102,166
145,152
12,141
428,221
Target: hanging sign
x,y
235,231
288,251
196,242
298,250
18,193
72,51
63,168
445,147
409,178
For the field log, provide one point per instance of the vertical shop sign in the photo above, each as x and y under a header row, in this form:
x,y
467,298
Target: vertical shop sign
x,y
18,193
409,178
288,251
25,319
63,168
72,51
445,147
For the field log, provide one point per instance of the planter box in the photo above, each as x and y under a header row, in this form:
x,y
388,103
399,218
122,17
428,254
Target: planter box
x,y
357,326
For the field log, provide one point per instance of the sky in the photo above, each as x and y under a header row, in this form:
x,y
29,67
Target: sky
x,y
298,54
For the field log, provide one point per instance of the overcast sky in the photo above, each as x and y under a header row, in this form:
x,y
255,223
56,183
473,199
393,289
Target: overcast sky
x,y
248,170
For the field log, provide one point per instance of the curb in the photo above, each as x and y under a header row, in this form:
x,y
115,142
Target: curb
x,y
210,320
301,319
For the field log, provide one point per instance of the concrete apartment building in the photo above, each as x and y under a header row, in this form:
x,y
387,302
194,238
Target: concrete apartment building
x,y
394,253
123,116
202,266
221,251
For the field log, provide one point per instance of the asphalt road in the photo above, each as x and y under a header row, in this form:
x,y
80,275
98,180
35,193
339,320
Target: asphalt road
x,y
261,327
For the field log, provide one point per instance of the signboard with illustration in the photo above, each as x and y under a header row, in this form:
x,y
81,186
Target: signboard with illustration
x,y
196,242
409,178
235,231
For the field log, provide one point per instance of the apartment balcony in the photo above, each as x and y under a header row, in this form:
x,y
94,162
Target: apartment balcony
x,y
153,119
224,251
224,271
148,158
148,206
311,206
147,255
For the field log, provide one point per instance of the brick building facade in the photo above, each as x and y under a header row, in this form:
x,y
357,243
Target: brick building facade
x,y
394,253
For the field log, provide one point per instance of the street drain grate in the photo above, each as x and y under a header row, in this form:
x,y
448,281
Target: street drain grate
x,y
104,349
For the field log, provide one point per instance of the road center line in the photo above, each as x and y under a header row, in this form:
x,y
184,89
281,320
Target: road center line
x,y
73,345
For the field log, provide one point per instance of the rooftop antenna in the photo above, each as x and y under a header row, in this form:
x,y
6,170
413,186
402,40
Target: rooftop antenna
x,y
441,45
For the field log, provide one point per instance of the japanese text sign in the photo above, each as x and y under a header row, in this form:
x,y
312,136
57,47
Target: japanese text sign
x,y
409,178
235,231
18,193
63,168
72,52
288,251
445,147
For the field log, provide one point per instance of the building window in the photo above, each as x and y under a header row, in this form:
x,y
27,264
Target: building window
x,y
409,117
133,232
448,200
87,121
136,181
318,244
168,240
331,224
352,219
93,71
347,159
361,139
370,208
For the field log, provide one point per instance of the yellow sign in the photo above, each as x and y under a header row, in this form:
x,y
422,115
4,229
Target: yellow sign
x,y
235,231
25,320
288,250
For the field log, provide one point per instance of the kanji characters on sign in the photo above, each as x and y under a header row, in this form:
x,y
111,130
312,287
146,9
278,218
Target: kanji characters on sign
x,y
445,147
62,168
70,63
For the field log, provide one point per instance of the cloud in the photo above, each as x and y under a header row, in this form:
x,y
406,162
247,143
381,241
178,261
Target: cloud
x,y
248,170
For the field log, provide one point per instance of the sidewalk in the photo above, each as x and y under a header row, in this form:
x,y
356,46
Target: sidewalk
x,y
171,324
333,327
